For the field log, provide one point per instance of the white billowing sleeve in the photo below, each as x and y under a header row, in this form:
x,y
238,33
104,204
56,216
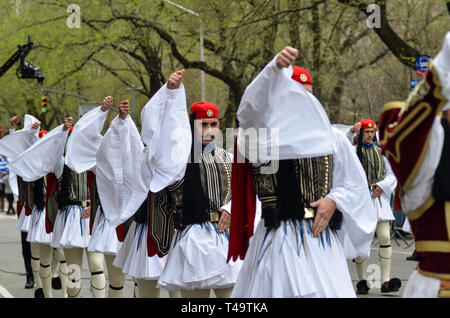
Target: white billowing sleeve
x,y
290,121
167,135
12,177
12,145
422,185
119,172
351,194
84,141
28,122
389,182
43,157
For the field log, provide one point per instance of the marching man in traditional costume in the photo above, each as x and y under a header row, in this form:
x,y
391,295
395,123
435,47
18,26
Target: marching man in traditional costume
x,y
12,146
148,163
314,194
196,262
416,141
82,148
66,214
382,183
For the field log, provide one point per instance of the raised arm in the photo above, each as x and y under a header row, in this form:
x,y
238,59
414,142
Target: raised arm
x,y
86,138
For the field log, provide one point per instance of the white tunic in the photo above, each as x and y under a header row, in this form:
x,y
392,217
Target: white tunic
x,y
127,170
289,261
81,151
44,157
12,146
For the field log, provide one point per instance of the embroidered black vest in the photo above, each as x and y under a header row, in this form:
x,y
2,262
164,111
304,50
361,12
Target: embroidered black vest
x,y
214,173
72,188
285,188
373,164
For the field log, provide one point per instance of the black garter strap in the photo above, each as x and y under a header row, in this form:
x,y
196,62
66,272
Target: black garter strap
x,y
45,266
385,246
115,288
97,273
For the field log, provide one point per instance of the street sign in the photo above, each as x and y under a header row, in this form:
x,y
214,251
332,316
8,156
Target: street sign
x,y
414,83
422,63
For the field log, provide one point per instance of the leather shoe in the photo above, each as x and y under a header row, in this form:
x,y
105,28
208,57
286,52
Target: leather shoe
x,y
362,288
39,293
391,286
30,283
56,283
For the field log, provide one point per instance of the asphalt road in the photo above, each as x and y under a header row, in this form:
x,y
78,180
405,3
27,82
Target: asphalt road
x,y
12,270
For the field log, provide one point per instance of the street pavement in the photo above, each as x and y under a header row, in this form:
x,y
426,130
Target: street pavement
x,y
12,270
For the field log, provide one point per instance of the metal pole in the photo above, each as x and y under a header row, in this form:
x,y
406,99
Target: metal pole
x,y
133,90
202,59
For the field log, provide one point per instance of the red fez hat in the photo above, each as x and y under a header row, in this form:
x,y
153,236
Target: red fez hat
x,y
367,124
42,133
204,110
301,75
70,129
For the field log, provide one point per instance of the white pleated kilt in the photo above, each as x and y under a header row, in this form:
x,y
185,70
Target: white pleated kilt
x,y
421,286
104,237
198,260
289,262
37,232
382,206
24,222
70,230
132,257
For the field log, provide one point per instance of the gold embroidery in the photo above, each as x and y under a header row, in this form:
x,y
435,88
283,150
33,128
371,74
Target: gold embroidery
x,y
433,246
435,275
420,91
421,210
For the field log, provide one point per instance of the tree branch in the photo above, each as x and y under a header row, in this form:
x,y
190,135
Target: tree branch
x,y
402,50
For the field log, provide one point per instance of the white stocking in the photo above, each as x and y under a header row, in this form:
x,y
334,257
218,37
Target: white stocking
x,y
385,251
116,278
74,258
196,293
147,288
223,292
98,282
35,264
58,254
45,270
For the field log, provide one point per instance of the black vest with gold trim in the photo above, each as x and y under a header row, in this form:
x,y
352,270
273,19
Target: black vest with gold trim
x,y
215,178
313,178
36,194
373,164
72,188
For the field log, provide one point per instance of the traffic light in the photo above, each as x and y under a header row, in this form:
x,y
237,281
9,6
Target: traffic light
x,y
43,104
